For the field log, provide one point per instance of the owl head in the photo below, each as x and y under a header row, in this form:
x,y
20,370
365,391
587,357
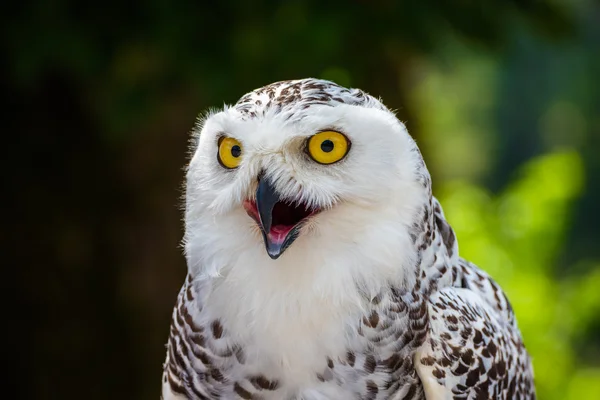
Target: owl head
x,y
301,169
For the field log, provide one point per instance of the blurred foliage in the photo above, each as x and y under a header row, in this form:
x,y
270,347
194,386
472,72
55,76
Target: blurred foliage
x,y
98,99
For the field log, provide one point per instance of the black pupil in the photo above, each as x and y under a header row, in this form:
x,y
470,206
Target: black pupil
x,y
327,146
236,151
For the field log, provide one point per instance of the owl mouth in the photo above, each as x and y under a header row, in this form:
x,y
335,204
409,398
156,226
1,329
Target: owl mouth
x,y
279,220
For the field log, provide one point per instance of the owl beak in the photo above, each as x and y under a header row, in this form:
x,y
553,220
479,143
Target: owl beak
x,y
279,221
266,198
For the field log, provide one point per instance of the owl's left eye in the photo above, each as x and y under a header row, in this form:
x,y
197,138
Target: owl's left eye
x,y
230,152
328,147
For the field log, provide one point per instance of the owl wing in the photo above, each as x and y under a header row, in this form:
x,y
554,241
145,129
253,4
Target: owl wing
x,y
474,349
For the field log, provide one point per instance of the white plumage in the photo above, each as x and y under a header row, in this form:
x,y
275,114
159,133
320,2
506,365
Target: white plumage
x,y
361,294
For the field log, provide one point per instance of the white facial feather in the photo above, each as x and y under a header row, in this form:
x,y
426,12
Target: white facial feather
x,y
372,192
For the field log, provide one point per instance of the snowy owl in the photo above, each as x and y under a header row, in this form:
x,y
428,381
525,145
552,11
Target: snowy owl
x,y
320,266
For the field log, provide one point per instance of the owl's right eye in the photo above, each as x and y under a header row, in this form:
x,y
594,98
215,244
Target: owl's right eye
x,y
230,152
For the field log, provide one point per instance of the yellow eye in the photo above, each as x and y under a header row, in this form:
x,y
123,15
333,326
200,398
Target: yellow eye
x,y
328,147
230,152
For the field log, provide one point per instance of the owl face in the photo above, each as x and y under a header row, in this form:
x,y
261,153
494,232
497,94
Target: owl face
x,y
290,165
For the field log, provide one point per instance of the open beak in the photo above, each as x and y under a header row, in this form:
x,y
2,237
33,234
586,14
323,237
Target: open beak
x,y
279,220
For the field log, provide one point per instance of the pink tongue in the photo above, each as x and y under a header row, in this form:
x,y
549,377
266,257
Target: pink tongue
x,y
278,233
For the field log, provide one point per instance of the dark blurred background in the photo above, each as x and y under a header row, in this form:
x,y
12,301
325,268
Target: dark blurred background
x,y
98,100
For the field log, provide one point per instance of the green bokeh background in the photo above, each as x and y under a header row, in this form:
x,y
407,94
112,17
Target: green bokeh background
x,y
503,98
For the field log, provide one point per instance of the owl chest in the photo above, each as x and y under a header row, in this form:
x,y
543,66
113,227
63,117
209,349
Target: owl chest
x,y
364,354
